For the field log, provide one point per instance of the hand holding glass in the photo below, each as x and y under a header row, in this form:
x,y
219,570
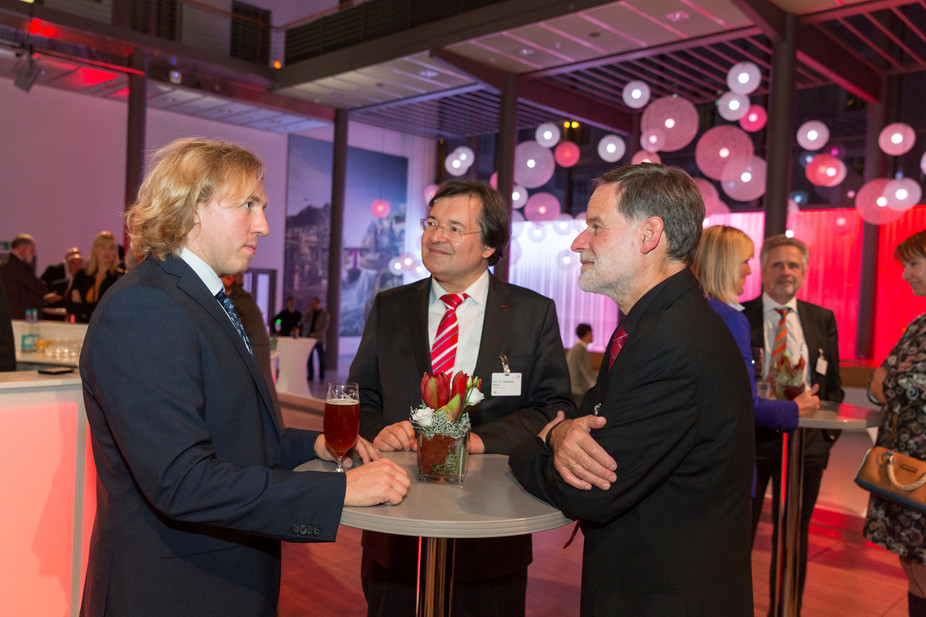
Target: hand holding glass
x,y
342,418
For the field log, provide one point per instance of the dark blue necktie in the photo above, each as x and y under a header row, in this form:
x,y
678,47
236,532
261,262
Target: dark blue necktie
x,y
226,302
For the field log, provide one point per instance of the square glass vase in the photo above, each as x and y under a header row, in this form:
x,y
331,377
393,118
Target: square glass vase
x,y
441,458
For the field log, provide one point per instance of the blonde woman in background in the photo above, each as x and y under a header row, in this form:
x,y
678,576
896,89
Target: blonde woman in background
x,y
722,265
92,282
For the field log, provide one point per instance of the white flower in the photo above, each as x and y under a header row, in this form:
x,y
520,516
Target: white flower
x,y
474,397
422,416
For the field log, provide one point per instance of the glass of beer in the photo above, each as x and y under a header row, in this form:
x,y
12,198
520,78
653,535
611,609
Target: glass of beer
x,y
342,418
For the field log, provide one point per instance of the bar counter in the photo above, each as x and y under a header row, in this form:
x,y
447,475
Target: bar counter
x,y
47,480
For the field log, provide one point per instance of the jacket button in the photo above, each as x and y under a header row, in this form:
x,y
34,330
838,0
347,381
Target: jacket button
x,y
317,531
304,529
295,528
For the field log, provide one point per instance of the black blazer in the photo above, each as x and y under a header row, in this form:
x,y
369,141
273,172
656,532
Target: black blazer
x,y
820,334
194,488
24,290
671,536
76,301
393,355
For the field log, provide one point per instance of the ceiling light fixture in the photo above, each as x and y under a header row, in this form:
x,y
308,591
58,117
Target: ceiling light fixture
x,y
428,73
677,16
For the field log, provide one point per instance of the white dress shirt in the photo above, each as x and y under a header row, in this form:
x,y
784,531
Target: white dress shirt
x,y
470,317
797,346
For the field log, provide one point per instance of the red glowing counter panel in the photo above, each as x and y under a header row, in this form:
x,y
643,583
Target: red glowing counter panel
x,y
47,481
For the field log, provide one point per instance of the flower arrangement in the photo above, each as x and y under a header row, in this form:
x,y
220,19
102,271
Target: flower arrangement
x,y
442,425
787,380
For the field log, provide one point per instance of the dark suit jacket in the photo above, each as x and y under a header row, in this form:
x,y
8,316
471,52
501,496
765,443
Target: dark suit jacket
x,y
7,345
24,290
819,326
671,536
56,279
82,284
393,355
194,488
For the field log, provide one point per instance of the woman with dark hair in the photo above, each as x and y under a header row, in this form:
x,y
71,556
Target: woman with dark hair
x,y
899,384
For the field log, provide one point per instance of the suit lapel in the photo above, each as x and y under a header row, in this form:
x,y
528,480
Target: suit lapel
x,y
190,283
418,326
814,342
495,328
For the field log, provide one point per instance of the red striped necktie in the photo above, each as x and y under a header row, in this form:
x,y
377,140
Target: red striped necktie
x,y
444,350
781,335
617,343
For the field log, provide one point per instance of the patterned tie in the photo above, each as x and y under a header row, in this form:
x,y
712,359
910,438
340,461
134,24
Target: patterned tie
x,y
617,343
781,336
444,350
226,303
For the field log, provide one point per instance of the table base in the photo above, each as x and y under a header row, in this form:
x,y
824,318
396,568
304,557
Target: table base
x,y
435,577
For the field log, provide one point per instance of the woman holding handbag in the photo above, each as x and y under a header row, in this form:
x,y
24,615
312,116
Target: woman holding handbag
x,y
900,385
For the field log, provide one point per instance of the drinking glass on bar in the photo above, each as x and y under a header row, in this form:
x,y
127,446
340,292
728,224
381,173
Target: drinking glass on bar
x,y
342,418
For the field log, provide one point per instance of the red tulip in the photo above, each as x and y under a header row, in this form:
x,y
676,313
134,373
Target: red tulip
x,y
435,390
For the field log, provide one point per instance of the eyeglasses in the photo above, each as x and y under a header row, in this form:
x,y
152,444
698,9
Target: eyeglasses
x,y
454,233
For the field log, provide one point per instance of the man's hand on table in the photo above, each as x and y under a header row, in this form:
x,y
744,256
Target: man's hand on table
x,y
808,401
398,436
379,482
577,457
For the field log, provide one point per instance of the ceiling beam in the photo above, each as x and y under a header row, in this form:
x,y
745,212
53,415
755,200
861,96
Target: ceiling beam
x,y
421,98
814,49
496,17
648,52
766,16
539,93
574,106
823,55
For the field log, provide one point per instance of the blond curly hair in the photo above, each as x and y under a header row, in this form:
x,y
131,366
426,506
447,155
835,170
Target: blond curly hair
x,y
183,176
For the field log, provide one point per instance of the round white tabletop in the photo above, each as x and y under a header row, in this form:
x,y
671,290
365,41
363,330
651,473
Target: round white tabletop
x,y
491,503
841,416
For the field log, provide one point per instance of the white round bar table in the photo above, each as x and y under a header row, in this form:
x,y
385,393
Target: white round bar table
x,y
491,503
830,416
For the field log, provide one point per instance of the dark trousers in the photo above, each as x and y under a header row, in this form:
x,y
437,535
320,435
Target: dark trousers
x,y
318,350
391,593
768,466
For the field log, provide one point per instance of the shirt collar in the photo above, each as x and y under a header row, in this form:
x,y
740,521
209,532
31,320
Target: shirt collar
x,y
478,291
203,270
768,304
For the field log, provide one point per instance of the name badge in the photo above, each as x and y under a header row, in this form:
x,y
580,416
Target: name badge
x,y
822,364
506,384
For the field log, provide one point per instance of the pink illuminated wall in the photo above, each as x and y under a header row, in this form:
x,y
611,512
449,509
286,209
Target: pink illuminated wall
x,y
539,262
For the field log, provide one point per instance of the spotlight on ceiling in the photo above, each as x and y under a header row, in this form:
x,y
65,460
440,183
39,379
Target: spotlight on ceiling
x,y
27,74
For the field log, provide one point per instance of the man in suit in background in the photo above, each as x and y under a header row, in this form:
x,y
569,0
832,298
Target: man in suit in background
x,y
195,481
7,346
580,363
501,328
58,278
668,533
315,322
253,322
24,290
809,333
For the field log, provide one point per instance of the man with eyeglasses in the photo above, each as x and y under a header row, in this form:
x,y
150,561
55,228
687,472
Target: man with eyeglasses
x,y
509,337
